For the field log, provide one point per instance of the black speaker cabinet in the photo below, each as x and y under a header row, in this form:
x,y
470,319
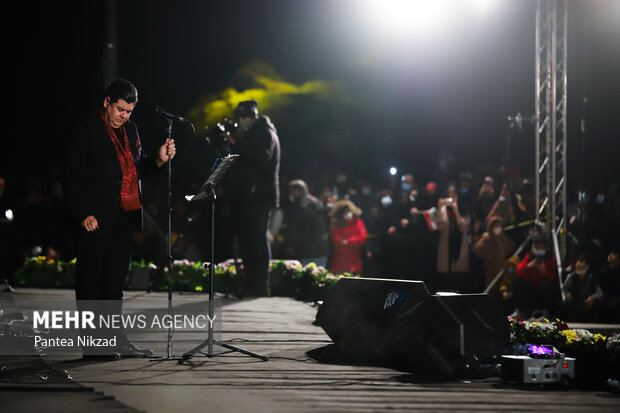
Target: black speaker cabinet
x,y
358,314
446,333
397,322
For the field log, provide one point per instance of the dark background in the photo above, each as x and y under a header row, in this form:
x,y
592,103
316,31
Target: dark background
x,y
404,100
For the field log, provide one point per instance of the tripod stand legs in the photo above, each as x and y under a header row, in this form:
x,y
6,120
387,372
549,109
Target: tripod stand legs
x,y
191,352
240,350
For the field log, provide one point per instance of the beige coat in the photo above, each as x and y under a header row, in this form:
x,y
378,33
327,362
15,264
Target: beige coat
x,y
461,264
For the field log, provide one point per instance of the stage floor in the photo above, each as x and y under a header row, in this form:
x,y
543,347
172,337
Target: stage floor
x,y
291,381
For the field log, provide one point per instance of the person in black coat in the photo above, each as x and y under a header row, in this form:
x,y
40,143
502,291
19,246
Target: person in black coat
x,y
101,184
583,294
304,233
255,193
609,280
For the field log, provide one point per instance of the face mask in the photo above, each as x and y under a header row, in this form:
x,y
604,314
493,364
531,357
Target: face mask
x,y
291,198
405,186
464,190
497,230
348,215
246,124
365,190
329,205
412,198
539,252
386,201
581,272
502,198
600,199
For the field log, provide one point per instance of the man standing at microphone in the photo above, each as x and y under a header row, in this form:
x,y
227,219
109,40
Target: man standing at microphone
x,y
103,167
255,192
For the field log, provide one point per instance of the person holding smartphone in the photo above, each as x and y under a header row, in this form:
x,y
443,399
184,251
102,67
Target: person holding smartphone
x,y
537,289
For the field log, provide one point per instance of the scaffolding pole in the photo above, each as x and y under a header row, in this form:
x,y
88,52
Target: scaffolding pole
x,y
550,120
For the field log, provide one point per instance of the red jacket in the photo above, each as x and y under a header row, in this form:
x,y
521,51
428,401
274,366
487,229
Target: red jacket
x,y
536,277
348,257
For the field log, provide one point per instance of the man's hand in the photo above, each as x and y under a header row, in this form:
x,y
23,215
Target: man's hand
x,y
540,266
166,152
230,138
90,223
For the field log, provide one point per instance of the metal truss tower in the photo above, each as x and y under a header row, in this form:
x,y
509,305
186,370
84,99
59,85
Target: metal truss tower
x,y
550,120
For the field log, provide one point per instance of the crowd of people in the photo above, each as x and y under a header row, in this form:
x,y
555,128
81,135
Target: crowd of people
x,y
462,236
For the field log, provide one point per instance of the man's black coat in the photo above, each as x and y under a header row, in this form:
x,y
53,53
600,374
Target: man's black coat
x,y
92,174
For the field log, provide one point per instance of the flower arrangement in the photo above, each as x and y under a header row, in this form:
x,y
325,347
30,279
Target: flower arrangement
x,y
598,356
287,277
557,333
45,272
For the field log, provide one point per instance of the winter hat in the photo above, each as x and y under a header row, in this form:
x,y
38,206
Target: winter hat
x,y
345,203
247,108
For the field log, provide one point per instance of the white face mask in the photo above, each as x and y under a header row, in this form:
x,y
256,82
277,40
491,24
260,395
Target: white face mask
x,y
245,124
497,230
581,272
348,215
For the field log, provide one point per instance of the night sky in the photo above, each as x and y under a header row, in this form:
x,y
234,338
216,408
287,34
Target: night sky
x,y
403,99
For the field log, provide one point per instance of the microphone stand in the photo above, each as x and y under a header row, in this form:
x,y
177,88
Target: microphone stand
x,y
169,356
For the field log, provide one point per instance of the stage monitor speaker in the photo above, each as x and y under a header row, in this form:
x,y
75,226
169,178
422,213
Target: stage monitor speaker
x,y
358,313
447,333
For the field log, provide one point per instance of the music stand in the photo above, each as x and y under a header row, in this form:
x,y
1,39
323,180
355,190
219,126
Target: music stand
x,y
207,191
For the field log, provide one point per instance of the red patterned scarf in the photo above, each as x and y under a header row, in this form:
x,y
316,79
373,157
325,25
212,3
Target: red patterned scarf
x,y
130,195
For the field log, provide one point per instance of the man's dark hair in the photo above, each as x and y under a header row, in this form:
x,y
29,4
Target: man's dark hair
x,y
584,258
121,89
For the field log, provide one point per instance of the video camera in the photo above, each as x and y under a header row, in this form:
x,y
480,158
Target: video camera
x,y
217,136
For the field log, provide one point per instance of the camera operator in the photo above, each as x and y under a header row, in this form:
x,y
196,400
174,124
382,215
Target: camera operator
x,y
255,192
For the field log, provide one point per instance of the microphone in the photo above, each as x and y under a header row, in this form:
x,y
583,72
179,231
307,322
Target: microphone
x,y
170,115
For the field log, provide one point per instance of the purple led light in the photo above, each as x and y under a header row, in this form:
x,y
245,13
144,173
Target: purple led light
x,y
534,349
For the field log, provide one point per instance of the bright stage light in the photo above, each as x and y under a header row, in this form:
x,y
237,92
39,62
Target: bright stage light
x,y
483,6
406,17
418,19
393,171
